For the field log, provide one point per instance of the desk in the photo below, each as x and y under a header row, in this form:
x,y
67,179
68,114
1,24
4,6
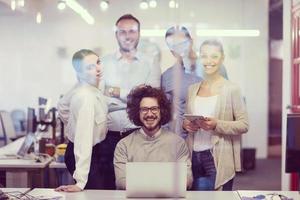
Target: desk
x,y
59,175
30,167
23,190
57,165
118,194
250,193
14,193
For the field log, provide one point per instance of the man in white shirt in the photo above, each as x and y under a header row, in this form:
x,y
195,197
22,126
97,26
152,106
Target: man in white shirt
x,y
124,70
84,111
149,108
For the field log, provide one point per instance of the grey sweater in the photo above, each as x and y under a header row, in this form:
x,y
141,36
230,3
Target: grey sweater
x,y
137,147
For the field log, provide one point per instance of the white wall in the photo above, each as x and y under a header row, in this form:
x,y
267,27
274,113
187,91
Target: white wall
x,y
286,87
30,66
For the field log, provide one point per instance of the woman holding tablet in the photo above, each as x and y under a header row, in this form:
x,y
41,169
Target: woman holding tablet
x,y
214,138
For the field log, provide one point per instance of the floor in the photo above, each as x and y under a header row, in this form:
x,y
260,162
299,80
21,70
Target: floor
x,y
265,176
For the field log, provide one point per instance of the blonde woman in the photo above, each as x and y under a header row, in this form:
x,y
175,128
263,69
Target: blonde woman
x,y
215,140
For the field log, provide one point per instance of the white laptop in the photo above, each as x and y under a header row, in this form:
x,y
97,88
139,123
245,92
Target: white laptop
x,y
22,145
156,179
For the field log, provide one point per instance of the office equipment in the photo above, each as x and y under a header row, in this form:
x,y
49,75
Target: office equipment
x,y
42,113
29,140
19,119
18,148
293,143
7,126
47,117
31,121
156,179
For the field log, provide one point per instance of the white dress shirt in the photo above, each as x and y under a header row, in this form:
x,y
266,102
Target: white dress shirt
x,y
119,72
84,111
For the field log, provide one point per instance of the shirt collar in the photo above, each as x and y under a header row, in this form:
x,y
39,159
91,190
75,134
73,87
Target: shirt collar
x,y
156,135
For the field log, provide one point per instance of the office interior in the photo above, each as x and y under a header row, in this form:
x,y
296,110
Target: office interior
x,y
38,39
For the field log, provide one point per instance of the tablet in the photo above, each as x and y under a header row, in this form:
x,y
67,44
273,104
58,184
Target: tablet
x,y
191,117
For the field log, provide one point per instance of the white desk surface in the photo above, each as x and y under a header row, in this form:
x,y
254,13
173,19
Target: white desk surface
x,y
15,189
118,194
22,163
251,193
57,165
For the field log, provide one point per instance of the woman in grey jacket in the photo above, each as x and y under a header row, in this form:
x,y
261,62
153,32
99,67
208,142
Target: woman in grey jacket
x,y
215,138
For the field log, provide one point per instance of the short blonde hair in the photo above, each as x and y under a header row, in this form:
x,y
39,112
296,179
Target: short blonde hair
x,y
79,56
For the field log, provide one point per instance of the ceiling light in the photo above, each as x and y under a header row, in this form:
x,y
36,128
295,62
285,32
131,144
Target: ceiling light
x,y
144,5
172,4
153,32
228,32
152,3
38,18
61,4
21,3
76,7
13,4
104,5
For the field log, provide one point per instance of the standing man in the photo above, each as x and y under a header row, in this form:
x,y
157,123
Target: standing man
x,y
149,108
124,70
83,110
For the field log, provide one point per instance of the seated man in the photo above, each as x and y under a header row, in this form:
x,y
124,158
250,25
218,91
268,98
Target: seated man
x,y
149,108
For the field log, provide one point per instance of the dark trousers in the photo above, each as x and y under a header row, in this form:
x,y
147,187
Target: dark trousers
x,y
97,178
102,173
109,145
204,170
228,185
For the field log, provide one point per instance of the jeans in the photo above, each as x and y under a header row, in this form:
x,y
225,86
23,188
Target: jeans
x,y
204,170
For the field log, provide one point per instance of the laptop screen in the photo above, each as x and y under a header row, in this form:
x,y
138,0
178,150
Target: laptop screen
x,y
156,179
31,120
29,140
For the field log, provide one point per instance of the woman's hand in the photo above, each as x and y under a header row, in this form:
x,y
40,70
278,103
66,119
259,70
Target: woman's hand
x,y
190,126
68,188
208,123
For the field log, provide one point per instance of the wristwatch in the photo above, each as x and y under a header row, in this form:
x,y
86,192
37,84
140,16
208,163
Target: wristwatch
x,y
111,91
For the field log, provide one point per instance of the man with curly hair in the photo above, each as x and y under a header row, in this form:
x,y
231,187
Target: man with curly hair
x,y
149,108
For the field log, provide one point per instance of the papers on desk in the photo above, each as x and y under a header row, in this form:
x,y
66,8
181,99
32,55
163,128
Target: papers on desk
x,y
46,194
268,195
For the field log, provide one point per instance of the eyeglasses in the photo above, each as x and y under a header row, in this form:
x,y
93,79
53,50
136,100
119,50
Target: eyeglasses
x,y
153,109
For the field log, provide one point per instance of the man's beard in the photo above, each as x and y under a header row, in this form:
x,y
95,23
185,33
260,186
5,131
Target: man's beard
x,y
127,50
150,127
